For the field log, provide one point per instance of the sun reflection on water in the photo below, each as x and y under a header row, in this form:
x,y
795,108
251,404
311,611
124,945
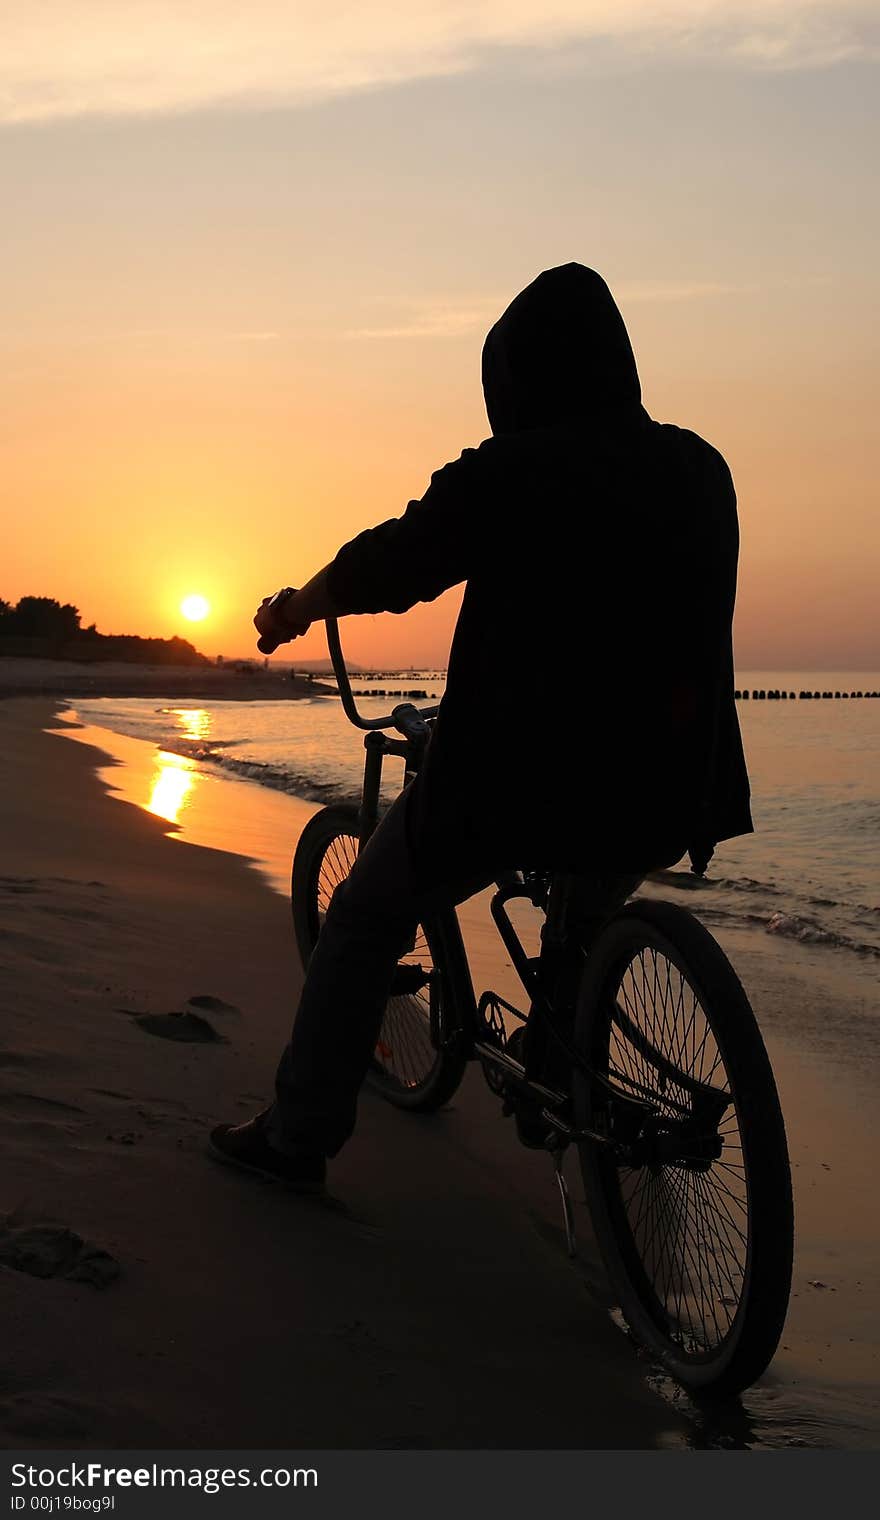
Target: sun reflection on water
x,y
195,722
173,782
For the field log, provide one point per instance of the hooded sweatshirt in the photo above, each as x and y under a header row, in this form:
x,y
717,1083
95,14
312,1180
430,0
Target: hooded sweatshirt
x,y
589,716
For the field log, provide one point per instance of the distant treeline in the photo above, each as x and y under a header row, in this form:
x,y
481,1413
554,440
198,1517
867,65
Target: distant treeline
x,y
39,627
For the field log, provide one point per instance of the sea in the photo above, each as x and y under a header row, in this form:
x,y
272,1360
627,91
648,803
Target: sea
x,y
810,872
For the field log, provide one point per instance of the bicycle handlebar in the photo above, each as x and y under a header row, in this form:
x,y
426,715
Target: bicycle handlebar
x,y
408,719
349,706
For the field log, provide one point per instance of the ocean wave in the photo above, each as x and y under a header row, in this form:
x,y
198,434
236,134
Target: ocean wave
x,y
718,895
279,778
790,926
790,923
746,884
809,933
688,882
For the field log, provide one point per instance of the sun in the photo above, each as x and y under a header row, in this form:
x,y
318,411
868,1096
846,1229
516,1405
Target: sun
x,y
195,608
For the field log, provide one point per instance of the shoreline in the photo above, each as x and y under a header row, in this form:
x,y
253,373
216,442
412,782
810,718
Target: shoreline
x,y
242,1316
204,683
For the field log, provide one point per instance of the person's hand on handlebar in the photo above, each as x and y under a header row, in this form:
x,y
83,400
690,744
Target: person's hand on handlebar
x,y
273,623
289,613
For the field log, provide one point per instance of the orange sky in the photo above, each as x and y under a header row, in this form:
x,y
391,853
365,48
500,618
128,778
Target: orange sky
x,y
245,301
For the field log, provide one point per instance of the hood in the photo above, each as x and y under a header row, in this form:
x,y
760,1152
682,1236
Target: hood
x,y
559,353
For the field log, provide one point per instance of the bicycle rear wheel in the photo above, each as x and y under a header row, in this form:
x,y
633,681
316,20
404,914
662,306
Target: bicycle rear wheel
x,y
418,1063
697,1242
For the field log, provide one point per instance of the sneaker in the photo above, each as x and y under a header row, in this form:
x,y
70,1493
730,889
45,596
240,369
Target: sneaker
x,y
246,1146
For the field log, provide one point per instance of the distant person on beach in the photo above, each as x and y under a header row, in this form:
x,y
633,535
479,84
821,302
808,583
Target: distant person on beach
x,y
588,722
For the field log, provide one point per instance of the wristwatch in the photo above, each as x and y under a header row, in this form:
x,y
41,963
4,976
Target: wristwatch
x,y
276,602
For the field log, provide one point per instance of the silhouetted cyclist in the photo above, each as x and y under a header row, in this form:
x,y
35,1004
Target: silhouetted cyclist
x,y
599,550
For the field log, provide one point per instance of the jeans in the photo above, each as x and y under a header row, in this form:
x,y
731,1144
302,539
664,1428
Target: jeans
x,y
369,926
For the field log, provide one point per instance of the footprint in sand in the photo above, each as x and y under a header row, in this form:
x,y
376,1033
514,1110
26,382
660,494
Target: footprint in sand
x,y
189,1027
49,1250
183,1024
210,1004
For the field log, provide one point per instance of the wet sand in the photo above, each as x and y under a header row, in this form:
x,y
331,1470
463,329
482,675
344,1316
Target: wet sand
x,y
243,1316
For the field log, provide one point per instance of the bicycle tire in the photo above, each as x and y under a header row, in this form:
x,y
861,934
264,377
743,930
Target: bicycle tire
x,y
409,1070
679,1242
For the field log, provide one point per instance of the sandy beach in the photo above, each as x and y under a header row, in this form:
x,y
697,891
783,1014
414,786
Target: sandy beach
x,y
428,1302
196,683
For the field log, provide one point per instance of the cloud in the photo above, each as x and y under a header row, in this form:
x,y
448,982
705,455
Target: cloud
x,y
629,293
67,58
443,319
219,335
438,321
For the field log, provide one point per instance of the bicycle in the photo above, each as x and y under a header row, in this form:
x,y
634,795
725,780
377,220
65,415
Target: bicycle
x,y
658,1076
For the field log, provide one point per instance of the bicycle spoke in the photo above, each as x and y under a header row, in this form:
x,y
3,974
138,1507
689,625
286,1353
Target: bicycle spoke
x,y
688,1226
404,1052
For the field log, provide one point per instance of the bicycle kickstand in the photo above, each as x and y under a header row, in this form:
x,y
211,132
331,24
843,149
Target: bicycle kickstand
x,y
558,1154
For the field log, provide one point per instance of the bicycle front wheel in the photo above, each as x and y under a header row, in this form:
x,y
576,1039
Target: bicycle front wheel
x,y
418,1062
697,1241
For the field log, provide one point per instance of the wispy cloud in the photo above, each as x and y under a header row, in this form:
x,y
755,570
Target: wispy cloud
x,y
436,321
75,338
451,319
64,58
630,292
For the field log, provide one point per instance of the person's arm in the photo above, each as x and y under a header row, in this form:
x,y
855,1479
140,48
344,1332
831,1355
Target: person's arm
x,y
414,558
438,541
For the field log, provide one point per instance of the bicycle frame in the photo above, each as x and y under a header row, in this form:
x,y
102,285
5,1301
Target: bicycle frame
x,y
414,726
583,1068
